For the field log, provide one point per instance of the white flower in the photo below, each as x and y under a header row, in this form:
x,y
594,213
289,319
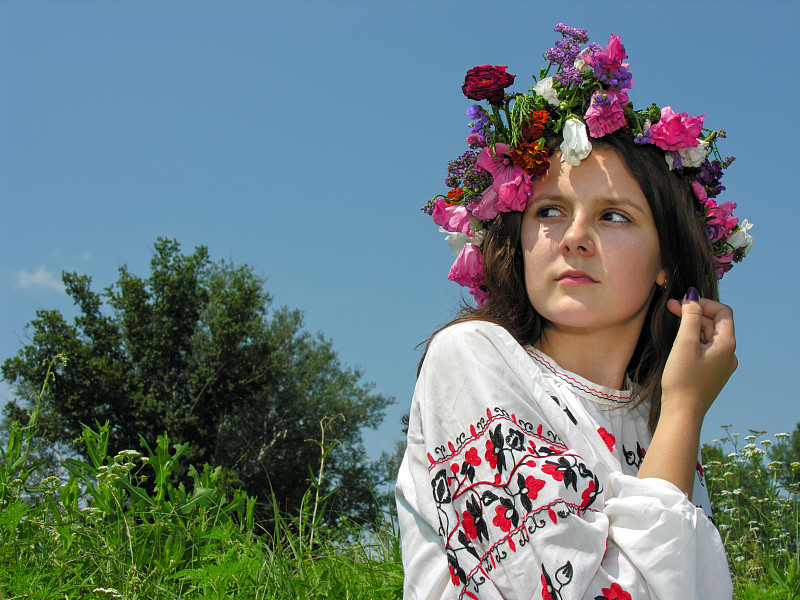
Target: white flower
x,y
545,89
741,239
456,241
694,157
576,145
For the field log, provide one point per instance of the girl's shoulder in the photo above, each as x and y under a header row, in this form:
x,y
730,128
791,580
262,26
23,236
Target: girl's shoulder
x,y
474,331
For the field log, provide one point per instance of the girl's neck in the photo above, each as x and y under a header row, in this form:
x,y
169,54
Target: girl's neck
x,y
602,357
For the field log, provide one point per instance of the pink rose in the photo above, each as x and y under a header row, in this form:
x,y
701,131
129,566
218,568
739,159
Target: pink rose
x,y
486,82
453,218
605,114
475,140
467,270
675,131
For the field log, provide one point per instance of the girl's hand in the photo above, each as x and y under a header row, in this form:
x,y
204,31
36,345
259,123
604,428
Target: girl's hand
x,y
702,357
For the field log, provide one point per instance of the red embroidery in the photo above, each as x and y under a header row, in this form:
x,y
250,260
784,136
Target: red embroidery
x,y
608,438
615,592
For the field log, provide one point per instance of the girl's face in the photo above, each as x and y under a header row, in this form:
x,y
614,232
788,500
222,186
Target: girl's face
x,y
590,246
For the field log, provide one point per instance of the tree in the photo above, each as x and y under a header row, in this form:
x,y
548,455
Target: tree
x,y
194,350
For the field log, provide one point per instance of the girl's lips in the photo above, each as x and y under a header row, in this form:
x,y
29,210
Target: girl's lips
x,y
575,278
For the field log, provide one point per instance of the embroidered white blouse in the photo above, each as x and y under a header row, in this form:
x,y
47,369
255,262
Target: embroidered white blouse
x,y
519,481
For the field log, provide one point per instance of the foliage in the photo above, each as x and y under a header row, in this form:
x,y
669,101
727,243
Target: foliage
x,y
117,528
757,511
194,349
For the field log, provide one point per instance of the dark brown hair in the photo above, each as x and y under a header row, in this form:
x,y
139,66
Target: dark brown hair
x,y
686,257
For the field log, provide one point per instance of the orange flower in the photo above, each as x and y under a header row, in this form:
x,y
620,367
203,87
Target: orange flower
x,y
536,124
531,159
454,195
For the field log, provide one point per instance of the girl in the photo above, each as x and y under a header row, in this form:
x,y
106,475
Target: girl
x,y
554,431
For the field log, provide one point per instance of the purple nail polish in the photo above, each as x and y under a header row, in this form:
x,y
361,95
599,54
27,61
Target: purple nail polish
x,y
692,295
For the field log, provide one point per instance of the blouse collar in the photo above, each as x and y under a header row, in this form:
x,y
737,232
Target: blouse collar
x,y
581,386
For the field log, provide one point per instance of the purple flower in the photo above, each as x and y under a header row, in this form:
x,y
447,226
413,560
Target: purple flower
x,y
709,176
565,52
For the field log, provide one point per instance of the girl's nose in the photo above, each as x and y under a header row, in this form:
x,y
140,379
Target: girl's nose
x,y
577,238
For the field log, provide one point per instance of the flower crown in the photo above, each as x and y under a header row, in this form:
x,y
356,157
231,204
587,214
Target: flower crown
x,y
587,92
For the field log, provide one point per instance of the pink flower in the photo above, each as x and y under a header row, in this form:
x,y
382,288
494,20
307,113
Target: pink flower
x,y
475,140
722,216
605,114
453,218
486,207
700,192
481,297
610,58
514,194
723,264
674,131
499,164
467,270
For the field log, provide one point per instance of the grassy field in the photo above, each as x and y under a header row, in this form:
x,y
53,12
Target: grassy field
x,y
115,527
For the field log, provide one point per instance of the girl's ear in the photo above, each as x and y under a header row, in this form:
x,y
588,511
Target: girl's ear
x,y
661,278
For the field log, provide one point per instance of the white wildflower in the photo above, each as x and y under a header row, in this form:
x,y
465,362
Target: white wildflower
x,y
741,239
576,145
546,90
694,157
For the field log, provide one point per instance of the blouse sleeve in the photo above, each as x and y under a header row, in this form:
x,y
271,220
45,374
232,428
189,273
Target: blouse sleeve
x,y
493,504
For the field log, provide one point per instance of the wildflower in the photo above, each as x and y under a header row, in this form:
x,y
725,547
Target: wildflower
x,y
576,145
107,591
782,434
765,442
128,453
749,438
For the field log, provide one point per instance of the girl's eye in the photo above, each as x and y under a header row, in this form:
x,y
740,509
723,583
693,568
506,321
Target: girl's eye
x,y
548,211
615,217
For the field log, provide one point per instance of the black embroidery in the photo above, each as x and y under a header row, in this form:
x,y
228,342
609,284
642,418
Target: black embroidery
x,y
634,459
563,577
567,411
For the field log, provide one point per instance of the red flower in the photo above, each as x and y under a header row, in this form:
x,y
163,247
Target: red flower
x,y
456,194
532,487
486,82
490,455
501,518
536,124
545,594
454,576
608,438
469,525
531,159
472,457
552,470
588,495
615,592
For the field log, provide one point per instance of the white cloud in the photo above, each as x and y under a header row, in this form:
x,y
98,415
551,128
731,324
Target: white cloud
x,y
42,277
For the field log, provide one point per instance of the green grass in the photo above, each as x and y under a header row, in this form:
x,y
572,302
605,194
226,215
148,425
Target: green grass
x,y
115,527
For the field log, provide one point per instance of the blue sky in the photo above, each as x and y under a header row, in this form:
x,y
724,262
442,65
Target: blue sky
x,y
302,138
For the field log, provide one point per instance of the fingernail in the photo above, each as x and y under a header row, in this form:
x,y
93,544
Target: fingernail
x,y
692,295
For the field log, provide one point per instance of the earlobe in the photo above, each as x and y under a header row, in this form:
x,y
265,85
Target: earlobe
x,y
661,278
